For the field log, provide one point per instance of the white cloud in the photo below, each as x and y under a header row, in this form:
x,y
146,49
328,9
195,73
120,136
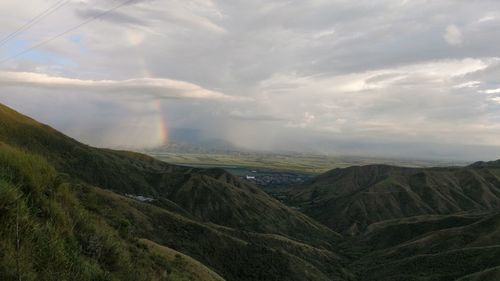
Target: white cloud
x,y
324,33
413,102
453,35
468,84
486,19
491,91
305,121
366,70
428,72
156,87
496,99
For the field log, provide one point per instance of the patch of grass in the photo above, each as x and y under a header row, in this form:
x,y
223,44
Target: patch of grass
x,y
45,234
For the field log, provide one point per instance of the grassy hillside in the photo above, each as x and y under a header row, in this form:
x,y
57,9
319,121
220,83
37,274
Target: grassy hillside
x,y
431,248
46,234
412,223
191,268
233,253
348,200
232,228
210,195
72,212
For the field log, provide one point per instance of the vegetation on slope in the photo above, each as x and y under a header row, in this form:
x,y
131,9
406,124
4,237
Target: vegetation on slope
x,y
348,200
189,266
410,223
232,253
45,233
64,216
435,248
101,228
78,232
210,195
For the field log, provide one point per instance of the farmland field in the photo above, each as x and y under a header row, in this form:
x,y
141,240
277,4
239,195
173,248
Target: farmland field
x,y
304,163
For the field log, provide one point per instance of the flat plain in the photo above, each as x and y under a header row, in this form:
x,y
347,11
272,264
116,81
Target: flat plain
x,y
293,162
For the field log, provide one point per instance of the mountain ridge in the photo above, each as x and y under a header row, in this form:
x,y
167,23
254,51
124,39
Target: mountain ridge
x,y
103,215
208,194
206,214
350,199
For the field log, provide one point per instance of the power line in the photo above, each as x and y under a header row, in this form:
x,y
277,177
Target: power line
x,y
66,31
34,20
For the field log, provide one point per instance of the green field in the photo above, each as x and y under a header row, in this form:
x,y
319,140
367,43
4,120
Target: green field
x,y
304,163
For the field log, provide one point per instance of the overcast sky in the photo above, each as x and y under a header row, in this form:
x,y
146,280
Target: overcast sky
x,y
379,78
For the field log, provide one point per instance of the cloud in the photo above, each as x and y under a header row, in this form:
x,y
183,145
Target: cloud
x,y
249,115
427,72
468,84
491,91
154,87
486,19
453,35
114,16
412,102
413,74
306,120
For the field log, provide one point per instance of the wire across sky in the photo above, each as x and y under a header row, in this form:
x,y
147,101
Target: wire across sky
x,y
46,13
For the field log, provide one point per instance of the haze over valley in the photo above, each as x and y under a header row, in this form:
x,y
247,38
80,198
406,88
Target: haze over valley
x,y
282,140
389,79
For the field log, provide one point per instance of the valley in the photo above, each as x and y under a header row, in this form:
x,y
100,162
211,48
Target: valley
x,y
272,140
301,163
84,213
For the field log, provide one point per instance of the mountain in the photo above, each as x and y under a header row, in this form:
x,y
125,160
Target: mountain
x,y
211,195
411,223
490,164
349,200
109,210
69,211
46,233
444,247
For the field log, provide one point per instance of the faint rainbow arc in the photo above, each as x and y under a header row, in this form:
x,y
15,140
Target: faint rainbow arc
x,y
162,124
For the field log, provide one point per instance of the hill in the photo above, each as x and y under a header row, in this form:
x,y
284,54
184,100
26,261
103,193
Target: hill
x,y
47,234
464,247
211,195
349,200
411,223
69,211
108,210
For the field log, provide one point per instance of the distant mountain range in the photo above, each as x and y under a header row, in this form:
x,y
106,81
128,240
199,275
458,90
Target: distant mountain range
x,y
69,211
185,140
212,146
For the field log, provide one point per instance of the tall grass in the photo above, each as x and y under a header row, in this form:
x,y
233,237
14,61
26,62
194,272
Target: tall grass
x,y
45,233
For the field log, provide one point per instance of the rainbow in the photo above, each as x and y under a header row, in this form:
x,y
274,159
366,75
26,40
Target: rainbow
x,y
162,124
162,135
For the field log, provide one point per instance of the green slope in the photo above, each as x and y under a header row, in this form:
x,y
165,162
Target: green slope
x,y
412,223
208,195
232,253
46,233
436,248
348,200
235,230
191,267
71,212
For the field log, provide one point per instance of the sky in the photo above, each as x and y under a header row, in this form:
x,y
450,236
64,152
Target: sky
x,y
409,79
